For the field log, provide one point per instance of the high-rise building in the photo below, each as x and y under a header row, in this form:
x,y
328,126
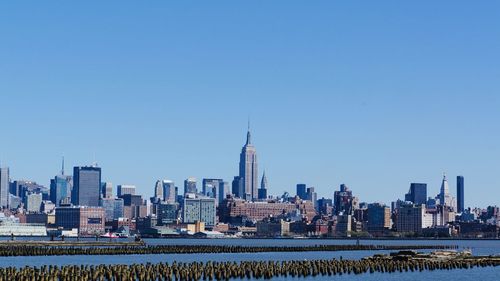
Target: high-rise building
x,y
417,194
263,187
379,217
412,218
343,201
159,190
125,189
86,186
238,187
60,189
311,195
249,169
107,190
168,212
190,185
88,220
210,186
4,187
460,194
169,194
113,208
223,191
301,191
33,202
199,210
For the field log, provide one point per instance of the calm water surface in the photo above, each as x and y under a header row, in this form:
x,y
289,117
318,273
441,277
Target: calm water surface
x,y
479,247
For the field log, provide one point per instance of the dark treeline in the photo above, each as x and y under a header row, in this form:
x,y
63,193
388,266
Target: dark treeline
x,y
192,249
232,270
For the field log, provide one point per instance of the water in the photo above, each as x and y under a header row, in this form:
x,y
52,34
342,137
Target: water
x,y
479,247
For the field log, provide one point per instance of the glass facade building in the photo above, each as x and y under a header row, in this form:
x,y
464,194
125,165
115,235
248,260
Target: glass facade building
x,y
460,194
87,186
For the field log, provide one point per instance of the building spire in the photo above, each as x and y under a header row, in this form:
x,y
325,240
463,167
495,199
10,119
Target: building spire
x,y
249,137
263,183
62,167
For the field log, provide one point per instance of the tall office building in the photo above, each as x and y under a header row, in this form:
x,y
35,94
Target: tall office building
x,y
311,195
60,189
460,194
444,196
223,191
238,187
417,194
107,190
263,187
301,191
125,189
86,186
190,185
210,186
249,169
4,187
169,194
159,190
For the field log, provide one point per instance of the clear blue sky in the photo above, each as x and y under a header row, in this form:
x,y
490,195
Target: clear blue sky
x,y
374,94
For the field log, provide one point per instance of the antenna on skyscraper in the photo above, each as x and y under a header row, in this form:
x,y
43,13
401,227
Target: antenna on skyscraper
x,y
62,167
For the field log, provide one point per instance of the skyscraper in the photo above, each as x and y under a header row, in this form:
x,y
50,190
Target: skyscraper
x,y
107,190
87,186
301,191
60,189
249,169
125,189
223,191
4,187
169,194
159,190
238,187
460,194
210,186
190,185
444,195
417,194
263,187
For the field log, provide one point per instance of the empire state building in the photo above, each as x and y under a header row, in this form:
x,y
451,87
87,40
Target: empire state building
x,y
248,169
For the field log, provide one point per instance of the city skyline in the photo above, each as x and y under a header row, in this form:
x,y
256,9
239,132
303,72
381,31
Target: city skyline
x,y
247,163
375,97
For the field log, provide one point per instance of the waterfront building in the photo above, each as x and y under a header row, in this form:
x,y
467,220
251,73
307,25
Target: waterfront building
x,y
86,186
343,226
4,187
107,190
124,189
168,213
234,208
460,194
417,193
263,187
88,220
199,209
190,185
379,217
273,228
134,206
249,169
301,191
412,218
